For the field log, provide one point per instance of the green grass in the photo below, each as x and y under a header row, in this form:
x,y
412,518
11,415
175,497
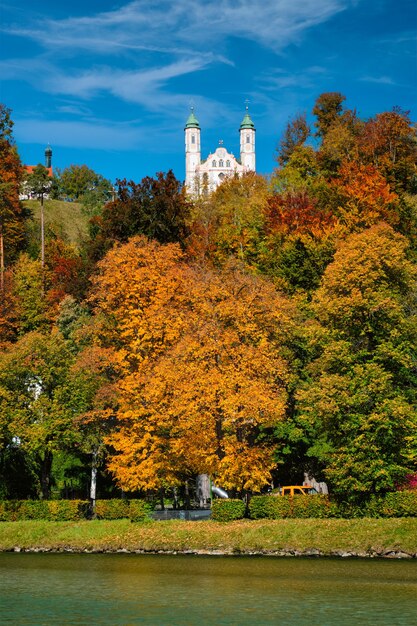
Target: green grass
x,y
64,218
361,536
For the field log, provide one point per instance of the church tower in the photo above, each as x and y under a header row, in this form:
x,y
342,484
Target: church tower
x,y
48,156
192,150
247,142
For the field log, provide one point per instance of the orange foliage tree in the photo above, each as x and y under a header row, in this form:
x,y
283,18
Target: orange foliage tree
x,y
364,197
388,141
204,372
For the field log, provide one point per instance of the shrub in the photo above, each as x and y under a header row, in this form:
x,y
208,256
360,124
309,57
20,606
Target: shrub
x,y
279,507
139,511
227,510
30,509
67,510
3,512
52,510
395,504
269,507
318,506
112,509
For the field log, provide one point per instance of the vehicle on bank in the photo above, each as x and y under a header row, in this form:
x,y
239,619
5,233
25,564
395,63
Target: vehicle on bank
x,y
295,490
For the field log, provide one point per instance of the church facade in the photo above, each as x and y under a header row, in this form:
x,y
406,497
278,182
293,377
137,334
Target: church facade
x,y
204,176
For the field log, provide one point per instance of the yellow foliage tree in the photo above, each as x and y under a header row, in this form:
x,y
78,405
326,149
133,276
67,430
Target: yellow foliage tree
x,y
204,369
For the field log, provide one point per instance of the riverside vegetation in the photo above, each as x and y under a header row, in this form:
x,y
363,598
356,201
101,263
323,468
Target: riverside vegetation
x,y
261,332
337,537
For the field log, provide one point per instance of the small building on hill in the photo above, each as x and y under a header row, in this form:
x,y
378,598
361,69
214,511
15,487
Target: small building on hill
x,y
25,194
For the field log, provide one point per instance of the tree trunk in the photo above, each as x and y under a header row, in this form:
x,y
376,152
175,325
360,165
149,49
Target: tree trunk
x,y
46,468
187,496
42,233
93,485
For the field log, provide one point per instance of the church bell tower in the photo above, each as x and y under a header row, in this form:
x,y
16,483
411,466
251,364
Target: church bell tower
x,y
192,149
247,142
48,156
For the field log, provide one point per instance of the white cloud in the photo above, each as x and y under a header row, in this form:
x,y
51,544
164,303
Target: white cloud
x,y
380,80
135,52
185,25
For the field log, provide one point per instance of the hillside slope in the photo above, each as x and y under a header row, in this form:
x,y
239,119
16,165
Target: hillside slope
x,y
63,218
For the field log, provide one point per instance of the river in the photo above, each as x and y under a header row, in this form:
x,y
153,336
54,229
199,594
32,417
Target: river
x,y
104,589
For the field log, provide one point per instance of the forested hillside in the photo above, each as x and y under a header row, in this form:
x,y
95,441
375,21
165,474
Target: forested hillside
x,y
264,331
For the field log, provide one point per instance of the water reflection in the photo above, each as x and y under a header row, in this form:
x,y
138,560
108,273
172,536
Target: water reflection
x,y
128,589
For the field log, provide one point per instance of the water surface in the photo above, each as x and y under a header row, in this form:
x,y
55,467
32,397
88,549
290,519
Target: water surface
x,y
44,589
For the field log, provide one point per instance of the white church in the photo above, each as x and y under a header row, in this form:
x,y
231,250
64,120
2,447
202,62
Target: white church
x,y
203,177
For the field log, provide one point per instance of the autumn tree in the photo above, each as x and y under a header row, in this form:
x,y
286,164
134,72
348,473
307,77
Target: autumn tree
x,y
328,108
300,225
389,143
204,370
12,213
295,135
230,222
65,270
359,401
363,197
155,207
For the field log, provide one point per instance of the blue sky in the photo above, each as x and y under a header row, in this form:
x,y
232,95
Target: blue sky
x,y
110,84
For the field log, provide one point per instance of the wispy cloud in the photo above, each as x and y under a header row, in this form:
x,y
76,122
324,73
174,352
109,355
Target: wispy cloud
x,y
144,52
282,79
179,38
380,80
144,24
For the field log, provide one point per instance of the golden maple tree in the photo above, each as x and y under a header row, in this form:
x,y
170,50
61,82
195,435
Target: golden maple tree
x,y
204,372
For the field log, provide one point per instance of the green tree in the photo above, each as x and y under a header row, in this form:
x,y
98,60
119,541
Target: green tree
x,y
30,306
35,399
230,222
81,183
359,403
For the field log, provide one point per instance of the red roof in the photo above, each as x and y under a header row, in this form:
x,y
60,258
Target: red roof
x,y
30,168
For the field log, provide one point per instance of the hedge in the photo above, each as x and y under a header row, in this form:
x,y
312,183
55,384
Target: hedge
x,y
139,511
227,510
395,504
72,510
52,510
111,509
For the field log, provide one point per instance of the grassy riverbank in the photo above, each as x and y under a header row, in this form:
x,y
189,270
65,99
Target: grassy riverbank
x,y
331,536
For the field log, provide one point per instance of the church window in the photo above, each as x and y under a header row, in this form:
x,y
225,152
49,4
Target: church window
x,y
247,139
227,163
221,164
213,164
192,138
